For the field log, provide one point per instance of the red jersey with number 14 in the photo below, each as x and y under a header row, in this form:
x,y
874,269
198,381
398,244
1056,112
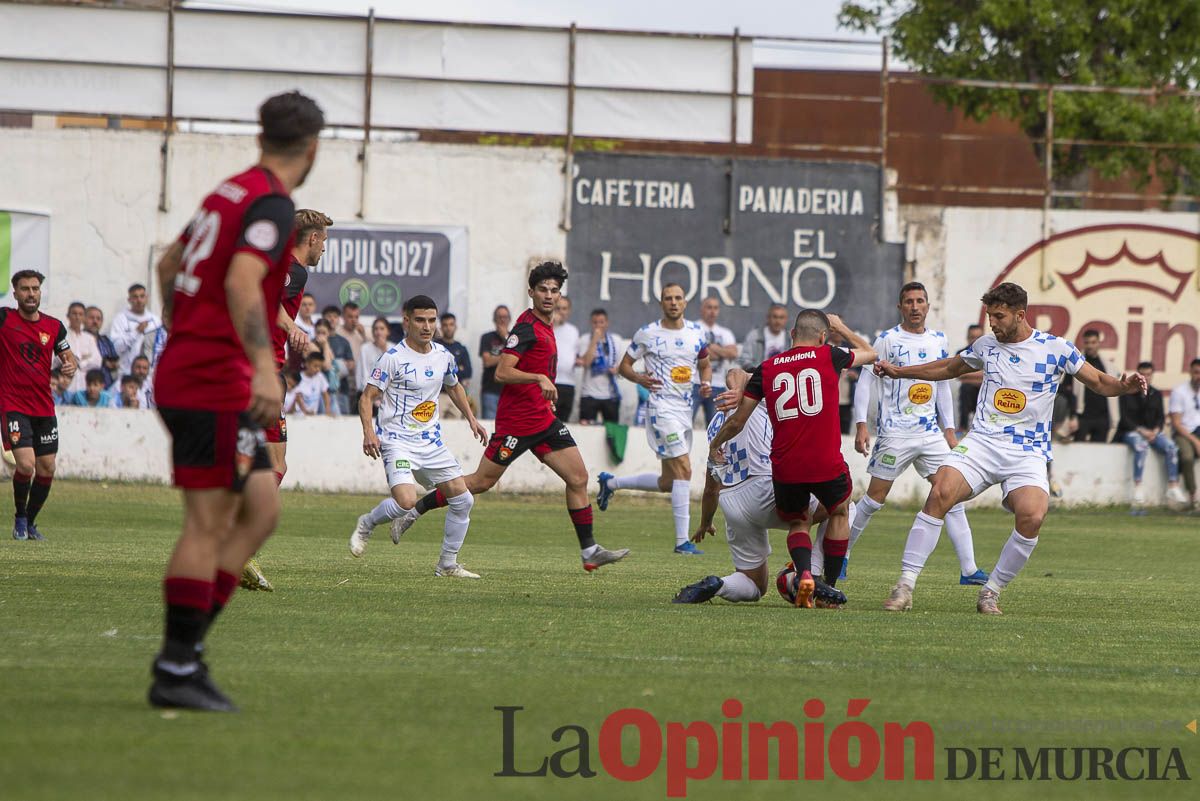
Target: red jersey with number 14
x,y
799,387
204,365
27,349
523,410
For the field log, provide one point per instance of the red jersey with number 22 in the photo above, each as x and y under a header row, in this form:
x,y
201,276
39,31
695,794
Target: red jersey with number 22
x,y
800,390
204,365
523,410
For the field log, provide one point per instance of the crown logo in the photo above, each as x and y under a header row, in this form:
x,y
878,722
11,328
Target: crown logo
x,y
1125,269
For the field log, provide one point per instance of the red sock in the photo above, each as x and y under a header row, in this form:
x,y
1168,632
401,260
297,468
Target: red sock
x,y
582,519
800,547
188,592
836,547
223,587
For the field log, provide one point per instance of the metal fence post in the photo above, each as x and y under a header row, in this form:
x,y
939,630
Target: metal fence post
x,y
368,80
164,203
569,145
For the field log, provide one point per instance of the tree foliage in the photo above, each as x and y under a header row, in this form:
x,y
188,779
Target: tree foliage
x,y
1119,43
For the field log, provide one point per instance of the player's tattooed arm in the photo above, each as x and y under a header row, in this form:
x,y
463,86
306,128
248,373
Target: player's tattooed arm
x,y
167,269
1111,386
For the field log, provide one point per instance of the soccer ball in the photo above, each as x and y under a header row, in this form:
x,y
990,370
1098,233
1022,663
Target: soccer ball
x,y
786,583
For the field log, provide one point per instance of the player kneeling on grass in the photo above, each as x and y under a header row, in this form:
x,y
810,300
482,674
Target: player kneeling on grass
x,y
408,378
743,488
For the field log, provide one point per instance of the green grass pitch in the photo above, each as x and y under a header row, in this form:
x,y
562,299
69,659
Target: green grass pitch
x,y
372,679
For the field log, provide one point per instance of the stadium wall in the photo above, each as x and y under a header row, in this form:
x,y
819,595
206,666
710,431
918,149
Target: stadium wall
x,y
325,455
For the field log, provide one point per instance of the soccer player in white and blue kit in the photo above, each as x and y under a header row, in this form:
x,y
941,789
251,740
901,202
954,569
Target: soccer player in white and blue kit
x,y
1009,440
914,421
408,379
676,354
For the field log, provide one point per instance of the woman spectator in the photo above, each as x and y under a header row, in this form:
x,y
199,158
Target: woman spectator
x,y
371,351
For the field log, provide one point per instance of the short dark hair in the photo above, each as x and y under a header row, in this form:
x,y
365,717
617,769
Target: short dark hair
x,y
419,302
288,122
314,357
330,308
599,311
349,305
1194,362
129,379
447,316
308,295
132,287
810,323
95,374
321,322
75,303
1148,365
1007,294
498,308
141,357
21,275
913,286
97,308
775,306
56,372
1091,332
547,271
974,325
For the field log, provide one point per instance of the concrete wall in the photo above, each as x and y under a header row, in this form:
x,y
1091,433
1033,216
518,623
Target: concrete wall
x,y
325,454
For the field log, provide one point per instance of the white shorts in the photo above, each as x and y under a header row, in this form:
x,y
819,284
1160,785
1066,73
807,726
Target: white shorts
x,y
984,463
425,463
749,510
893,454
669,432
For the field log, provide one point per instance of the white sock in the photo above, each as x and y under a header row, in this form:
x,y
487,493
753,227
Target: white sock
x,y
681,508
642,481
1013,557
588,551
738,587
458,517
960,534
818,550
387,510
862,516
922,539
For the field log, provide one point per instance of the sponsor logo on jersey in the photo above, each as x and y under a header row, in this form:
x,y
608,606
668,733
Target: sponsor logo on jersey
x,y
960,448
378,375
679,343
1015,359
681,375
263,234
44,337
920,393
673,437
403,464
428,372
424,411
889,459
512,341
505,453
1009,401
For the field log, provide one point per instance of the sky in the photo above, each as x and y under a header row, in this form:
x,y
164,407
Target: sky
x,y
811,18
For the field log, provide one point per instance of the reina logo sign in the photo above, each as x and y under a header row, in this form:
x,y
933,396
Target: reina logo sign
x,y
1137,285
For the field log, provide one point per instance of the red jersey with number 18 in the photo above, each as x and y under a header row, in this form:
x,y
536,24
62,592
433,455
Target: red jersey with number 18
x,y
204,365
800,390
523,410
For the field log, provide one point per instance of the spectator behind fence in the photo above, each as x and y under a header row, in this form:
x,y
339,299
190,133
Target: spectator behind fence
x,y
130,395
307,316
600,354
83,344
343,359
1094,419
312,391
131,327
140,370
1185,419
566,337
968,385
722,351
490,346
448,328
762,343
110,362
371,351
353,332
60,386
94,394
1140,426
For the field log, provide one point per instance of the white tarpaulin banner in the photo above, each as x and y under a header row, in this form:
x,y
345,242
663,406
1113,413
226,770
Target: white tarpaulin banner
x,y
24,245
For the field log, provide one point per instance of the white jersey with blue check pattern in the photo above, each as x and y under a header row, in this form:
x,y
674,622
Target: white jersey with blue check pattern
x,y
907,406
747,454
411,383
1020,379
672,356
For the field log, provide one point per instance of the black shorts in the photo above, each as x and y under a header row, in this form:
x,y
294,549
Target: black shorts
x,y
503,449
30,431
214,450
609,409
791,500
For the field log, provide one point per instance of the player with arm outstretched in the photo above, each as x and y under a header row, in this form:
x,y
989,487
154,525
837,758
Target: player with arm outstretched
x,y
1009,440
914,420
525,419
799,387
675,353
409,378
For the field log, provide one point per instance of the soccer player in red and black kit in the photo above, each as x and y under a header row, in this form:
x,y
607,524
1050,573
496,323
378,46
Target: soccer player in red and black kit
x,y
310,238
800,390
525,419
216,386
29,341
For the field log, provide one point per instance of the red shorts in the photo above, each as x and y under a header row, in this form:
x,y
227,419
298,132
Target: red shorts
x,y
214,450
792,500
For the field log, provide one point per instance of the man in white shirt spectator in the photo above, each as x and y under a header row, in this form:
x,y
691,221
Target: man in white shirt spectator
x,y
140,370
763,343
600,354
130,328
566,336
722,351
83,345
1185,419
